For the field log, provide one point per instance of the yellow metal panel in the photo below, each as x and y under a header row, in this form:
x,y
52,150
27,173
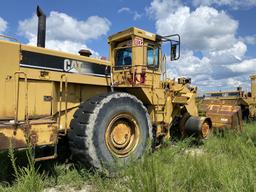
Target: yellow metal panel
x,y
37,105
9,63
180,99
10,134
76,95
43,134
40,133
156,97
71,77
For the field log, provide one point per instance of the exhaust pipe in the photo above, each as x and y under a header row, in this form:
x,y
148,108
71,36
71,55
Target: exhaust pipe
x,y
41,27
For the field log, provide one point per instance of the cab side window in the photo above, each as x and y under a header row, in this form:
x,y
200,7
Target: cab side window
x,y
152,56
123,57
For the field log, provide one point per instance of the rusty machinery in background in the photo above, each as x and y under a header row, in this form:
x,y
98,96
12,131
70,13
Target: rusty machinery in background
x,y
107,109
225,114
227,109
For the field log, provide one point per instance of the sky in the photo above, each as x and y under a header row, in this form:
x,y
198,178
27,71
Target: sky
x,y
218,37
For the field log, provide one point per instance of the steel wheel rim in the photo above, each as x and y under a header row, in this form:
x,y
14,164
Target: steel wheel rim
x,y
205,129
122,135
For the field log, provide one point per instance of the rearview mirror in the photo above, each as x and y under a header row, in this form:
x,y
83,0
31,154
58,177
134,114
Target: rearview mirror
x,y
174,55
174,45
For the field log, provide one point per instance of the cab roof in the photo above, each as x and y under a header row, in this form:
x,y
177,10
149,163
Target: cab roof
x,y
122,35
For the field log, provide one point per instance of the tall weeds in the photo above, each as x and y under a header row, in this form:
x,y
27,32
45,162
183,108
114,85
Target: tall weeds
x,y
27,178
222,163
226,163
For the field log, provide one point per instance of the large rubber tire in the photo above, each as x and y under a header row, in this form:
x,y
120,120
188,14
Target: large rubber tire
x,y
87,135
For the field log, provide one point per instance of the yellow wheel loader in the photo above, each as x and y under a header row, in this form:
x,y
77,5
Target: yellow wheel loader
x,y
107,109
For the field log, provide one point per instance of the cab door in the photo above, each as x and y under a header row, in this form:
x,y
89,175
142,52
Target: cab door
x,y
153,64
123,57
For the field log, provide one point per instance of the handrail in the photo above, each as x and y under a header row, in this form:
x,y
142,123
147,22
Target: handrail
x,y
131,69
60,101
165,70
11,38
18,73
111,79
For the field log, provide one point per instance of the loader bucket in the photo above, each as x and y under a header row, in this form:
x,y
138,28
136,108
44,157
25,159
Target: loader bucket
x,y
225,114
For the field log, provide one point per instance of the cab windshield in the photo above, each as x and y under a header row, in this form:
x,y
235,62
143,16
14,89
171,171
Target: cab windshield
x,y
123,57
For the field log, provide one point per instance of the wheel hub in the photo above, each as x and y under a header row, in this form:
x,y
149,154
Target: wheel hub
x,y
205,129
122,135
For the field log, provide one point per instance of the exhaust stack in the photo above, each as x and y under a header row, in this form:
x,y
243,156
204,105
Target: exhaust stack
x,y
41,27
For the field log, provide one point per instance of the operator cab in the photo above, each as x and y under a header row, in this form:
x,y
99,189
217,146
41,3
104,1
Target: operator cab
x,y
136,56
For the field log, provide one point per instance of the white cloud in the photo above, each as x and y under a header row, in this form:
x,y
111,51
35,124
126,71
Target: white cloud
x,y
211,53
3,25
124,9
228,56
135,14
162,8
64,32
65,45
246,66
189,65
235,4
203,29
229,84
251,40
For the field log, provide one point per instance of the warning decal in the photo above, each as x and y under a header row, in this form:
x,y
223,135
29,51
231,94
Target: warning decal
x,y
138,41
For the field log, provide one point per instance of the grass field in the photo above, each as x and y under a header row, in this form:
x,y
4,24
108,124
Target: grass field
x,y
222,163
